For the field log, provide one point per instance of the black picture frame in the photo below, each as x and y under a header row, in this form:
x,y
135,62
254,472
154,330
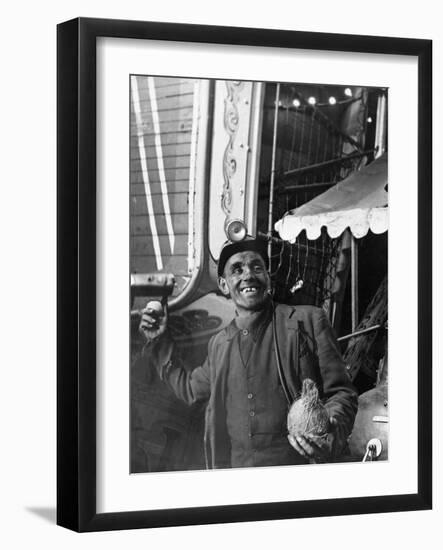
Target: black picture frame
x,y
76,280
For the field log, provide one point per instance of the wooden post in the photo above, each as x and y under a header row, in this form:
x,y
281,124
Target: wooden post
x,y
354,283
271,186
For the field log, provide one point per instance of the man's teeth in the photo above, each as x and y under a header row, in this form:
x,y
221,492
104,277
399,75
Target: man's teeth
x,y
249,289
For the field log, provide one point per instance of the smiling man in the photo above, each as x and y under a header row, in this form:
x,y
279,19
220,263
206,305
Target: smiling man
x,y
255,366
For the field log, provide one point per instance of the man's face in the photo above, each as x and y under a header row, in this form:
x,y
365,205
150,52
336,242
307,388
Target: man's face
x,y
246,280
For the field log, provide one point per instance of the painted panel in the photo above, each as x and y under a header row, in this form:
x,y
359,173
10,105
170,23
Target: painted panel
x,y
231,146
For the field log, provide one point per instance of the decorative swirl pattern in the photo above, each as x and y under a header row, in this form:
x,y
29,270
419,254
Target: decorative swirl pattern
x,y
231,123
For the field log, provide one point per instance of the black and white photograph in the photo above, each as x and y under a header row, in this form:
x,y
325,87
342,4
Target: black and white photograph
x,y
221,266
258,273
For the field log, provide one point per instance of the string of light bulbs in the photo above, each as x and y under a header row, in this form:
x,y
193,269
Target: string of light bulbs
x,y
312,100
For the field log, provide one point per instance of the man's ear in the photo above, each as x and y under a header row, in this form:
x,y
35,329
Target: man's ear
x,y
223,286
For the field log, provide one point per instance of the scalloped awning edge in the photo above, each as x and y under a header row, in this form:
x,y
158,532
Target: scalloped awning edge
x,y
359,221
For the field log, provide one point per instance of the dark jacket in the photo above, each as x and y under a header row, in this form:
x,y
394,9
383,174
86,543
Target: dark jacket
x,y
308,349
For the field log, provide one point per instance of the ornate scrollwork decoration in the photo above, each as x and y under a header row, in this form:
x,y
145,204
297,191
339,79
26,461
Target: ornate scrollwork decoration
x,y
231,122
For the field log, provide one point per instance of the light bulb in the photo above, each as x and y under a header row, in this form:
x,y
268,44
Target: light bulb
x,y
348,92
332,100
312,100
296,102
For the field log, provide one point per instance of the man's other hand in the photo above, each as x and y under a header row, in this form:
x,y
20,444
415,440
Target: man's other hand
x,y
321,448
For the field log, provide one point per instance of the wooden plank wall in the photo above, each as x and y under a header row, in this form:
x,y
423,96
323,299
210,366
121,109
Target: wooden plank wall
x,y
174,97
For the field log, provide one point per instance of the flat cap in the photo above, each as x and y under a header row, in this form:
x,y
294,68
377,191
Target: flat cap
x,y
248,243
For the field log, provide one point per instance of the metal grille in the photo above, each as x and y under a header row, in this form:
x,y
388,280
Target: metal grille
x,y
304,272
314,150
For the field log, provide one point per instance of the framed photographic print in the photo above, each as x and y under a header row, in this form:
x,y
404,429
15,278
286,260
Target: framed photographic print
x,y
244,238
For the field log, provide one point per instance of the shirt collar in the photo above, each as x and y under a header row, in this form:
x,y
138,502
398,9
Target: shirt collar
x,y
258,325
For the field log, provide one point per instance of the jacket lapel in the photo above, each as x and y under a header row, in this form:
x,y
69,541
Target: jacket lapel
x,y
288,343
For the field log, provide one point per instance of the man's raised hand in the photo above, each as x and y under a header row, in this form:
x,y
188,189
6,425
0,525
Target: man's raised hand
x,y
154,320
